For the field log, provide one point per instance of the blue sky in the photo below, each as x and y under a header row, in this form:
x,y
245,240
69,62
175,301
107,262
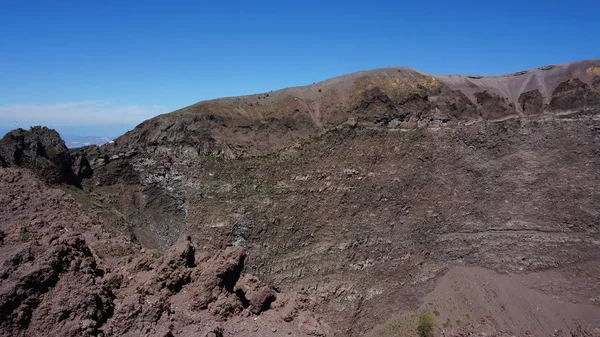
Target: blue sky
x,y
102,63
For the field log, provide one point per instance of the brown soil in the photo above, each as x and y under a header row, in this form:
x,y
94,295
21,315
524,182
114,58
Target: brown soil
x,y
479,301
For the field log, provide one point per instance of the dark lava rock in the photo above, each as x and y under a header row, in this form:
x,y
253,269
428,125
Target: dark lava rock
x,y
596,83
493,106
531,102
40,149
460,106
379,106
82,168
574,95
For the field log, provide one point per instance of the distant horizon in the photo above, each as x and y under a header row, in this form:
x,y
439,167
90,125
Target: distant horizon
x,y
78,63
92,131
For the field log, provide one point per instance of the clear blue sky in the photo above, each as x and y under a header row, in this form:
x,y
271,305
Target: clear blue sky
x,y
119,62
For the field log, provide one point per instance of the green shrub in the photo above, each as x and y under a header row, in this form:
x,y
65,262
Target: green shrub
x,y
425,327
156,255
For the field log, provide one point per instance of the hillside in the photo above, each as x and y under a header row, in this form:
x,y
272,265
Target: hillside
x,y
394,97
380,195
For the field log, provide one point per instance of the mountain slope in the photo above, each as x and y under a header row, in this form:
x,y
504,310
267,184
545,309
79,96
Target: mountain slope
x,y
261,123
363,190
544,81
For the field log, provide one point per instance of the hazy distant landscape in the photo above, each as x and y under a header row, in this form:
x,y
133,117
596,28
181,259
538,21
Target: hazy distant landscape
x,y
73,141
77,136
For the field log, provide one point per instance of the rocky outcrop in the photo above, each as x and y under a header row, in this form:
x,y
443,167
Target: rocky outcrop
x,y
81,167
427,104
185,292
531,102
493,106
574,95
64,274
41,150
596,83
52,288
55,288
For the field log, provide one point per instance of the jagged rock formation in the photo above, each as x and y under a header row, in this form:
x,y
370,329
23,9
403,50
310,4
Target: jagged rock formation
x,y
44,152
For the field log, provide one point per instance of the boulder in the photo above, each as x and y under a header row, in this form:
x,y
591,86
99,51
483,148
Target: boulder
x,y
40,149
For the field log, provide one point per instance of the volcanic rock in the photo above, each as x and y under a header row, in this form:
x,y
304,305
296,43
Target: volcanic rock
x,y
41,150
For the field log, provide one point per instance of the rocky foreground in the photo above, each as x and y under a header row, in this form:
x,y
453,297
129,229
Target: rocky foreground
x,y
64,275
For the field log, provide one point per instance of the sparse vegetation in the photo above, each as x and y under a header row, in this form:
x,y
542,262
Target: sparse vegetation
x,y
78,195
425,327
156,255
417,135
436,313
403,325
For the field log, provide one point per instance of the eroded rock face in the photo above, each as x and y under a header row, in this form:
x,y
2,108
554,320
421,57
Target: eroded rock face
x,y
81,167
574,95
379,107
493,106
461,107
41,150
596,83
425,102
531,102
